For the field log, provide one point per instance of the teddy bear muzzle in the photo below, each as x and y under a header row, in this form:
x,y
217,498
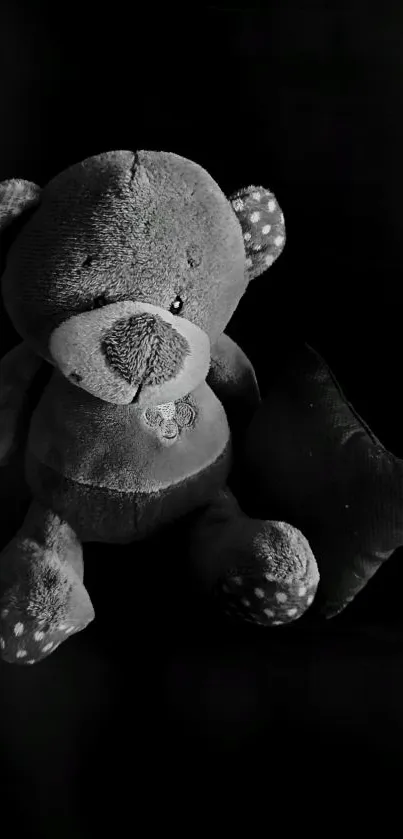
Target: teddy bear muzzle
x,y
131,352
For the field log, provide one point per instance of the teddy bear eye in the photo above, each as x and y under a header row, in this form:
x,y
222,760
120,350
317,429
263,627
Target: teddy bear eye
x,y
176,306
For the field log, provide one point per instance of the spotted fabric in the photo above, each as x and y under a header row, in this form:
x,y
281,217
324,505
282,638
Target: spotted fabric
x,y
265,601
43,598
28,643
274,592
263,226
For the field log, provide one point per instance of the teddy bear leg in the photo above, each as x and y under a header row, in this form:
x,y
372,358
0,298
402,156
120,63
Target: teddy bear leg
x,y
261,571
42,596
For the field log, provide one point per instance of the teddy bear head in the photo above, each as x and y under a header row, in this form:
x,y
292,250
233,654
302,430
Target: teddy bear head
x,y
126,267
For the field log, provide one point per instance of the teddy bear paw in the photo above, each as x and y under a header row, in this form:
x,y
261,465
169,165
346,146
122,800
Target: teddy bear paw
x,y
268,595
30,629
264,601
23,641
28,643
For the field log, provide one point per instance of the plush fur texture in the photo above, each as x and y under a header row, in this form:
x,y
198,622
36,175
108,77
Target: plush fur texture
x,y
125,225
231,374
153,352
121,278
163,361
17,372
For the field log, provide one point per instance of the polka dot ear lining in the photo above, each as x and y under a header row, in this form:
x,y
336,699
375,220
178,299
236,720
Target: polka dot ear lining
x,y
262,225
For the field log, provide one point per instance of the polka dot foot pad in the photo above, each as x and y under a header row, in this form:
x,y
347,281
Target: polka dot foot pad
x,y
263,600
22,643
27,641
263,227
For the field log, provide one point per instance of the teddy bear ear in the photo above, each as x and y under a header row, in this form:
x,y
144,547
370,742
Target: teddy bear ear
x,y
16,196
263,227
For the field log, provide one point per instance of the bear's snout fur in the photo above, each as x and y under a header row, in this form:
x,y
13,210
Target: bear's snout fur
x,y
144,349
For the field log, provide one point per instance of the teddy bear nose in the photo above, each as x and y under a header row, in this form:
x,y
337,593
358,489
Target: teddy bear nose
x,y
144,349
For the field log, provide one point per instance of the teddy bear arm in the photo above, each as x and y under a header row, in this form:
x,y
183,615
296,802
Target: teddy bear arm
x,y
18,369
233,380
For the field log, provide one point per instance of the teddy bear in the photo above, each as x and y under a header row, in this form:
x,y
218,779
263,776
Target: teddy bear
x,y
120,277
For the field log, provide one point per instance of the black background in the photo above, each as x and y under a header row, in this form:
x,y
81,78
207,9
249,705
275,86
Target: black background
x,y
305,99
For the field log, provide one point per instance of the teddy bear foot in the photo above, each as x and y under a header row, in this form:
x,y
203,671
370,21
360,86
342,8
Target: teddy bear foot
x,y
42,597
264,598
263,572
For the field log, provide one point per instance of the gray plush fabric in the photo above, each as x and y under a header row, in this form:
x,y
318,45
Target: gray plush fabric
x,y
144,349
261,571
18,369
233,379
123,277
41,570
263,227
164,361
101,445
103,514
128,226
16,197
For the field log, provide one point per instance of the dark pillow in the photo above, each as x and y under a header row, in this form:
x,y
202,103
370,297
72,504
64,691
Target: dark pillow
x,y
312,461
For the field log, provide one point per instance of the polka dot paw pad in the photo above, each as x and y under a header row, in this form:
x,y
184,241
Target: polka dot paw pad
x,y
263,227
27,643
263,600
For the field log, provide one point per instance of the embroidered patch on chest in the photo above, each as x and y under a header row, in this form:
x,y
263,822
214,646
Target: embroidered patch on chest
x,y
169,419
